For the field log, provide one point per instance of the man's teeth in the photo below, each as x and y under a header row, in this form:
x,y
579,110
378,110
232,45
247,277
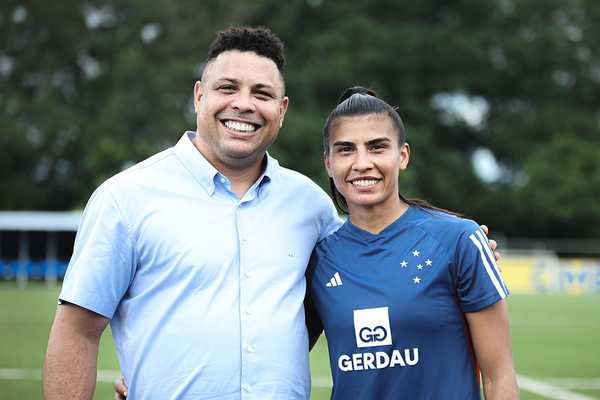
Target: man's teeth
x,y
364,182
239,126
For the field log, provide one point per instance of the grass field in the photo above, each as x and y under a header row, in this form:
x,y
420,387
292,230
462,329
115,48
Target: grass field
x,y
556,345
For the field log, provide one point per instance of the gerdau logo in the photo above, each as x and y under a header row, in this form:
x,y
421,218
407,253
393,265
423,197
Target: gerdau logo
x,y
372,328
378,360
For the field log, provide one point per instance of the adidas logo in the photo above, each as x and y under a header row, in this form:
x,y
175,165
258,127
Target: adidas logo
x,y
335,280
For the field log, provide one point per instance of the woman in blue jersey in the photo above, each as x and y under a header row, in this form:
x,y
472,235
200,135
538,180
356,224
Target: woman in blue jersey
x,y
409,295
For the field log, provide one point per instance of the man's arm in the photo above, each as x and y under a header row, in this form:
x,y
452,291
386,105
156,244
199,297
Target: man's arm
x,y
492,243
491,341
70,364
313,322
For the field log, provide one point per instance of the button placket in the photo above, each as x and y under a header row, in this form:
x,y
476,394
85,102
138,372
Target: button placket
x,y
246,290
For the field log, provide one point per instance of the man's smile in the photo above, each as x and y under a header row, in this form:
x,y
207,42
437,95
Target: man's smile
x,y
240,128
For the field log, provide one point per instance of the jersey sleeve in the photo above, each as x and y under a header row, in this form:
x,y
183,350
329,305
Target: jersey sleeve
x,y
479,282
102,264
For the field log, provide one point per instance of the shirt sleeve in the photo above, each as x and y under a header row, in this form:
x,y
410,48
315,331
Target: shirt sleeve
x,y
479,282
330,219
102,264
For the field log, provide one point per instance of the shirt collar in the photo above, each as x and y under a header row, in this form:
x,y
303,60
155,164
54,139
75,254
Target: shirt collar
x,y
205,173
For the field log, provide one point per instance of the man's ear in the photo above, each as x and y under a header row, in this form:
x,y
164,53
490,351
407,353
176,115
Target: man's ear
x,y
283,106
198,93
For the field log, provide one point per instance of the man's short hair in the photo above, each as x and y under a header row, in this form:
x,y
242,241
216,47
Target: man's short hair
x,y
259,40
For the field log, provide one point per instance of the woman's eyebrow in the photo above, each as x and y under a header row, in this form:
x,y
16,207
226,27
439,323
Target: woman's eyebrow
x,y
342,143
378,141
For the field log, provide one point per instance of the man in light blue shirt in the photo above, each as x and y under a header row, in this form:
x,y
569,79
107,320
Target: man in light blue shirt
x,y
197,255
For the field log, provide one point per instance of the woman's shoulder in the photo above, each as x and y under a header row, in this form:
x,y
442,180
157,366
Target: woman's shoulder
x,y
445,225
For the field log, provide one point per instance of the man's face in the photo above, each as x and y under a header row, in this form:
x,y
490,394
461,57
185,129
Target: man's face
x,y
240,105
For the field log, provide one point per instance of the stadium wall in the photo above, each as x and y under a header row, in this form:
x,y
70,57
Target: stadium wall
x,y
545,273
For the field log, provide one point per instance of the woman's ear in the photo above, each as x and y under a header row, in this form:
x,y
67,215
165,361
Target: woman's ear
x,y
327,166
404,155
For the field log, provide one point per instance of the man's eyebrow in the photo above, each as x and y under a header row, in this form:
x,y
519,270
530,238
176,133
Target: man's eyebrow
x,y
265,87
225,79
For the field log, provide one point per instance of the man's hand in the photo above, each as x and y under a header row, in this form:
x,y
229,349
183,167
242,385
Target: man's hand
x,y
491,243
120,389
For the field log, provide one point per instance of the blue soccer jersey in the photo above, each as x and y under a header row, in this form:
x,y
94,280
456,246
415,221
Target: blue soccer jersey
x,y
392,306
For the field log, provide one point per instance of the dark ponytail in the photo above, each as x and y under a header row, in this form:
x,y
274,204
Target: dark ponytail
x,y
358,100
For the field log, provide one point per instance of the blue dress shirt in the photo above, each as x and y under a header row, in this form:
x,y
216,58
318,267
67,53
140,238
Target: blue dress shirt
x,y
204,290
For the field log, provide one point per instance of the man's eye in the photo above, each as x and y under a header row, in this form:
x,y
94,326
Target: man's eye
x,y
226,88
264,95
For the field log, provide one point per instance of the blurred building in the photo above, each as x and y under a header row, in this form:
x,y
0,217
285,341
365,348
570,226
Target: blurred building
x,y
36,245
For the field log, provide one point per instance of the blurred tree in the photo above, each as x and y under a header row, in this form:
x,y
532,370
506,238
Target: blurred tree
x,y
88,88
501,76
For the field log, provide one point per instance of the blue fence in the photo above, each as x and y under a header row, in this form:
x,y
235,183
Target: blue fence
x,y
32,269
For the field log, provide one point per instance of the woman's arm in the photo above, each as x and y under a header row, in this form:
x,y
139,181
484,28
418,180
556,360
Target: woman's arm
x,y
492,345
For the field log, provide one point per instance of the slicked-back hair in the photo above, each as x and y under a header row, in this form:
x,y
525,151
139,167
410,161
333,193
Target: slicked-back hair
x,y
259,40
356,101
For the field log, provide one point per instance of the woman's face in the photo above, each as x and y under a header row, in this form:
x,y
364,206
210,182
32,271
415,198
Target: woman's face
x,y
365,159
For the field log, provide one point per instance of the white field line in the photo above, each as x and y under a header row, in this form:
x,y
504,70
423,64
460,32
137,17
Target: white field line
x,y
20,374
575,383
550,391
321,381
547,390
554,390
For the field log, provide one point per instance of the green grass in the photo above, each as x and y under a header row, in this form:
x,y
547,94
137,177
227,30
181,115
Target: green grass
x,y
553,337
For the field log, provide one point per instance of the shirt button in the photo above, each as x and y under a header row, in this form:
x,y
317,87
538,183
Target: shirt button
x,y
247,311
222,180
248,274
250,349
245,388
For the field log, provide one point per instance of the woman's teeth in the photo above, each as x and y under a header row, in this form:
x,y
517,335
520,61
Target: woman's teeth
x,y
364,182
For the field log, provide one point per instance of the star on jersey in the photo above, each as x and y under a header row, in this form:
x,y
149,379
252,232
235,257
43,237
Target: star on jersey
x,y
420,265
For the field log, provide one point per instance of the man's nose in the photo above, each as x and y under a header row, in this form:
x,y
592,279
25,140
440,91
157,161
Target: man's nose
x,y
243,102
